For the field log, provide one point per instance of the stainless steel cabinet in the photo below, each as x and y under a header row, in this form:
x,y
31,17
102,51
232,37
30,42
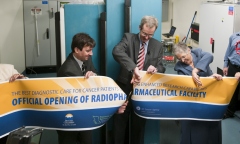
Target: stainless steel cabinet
x,y
39,33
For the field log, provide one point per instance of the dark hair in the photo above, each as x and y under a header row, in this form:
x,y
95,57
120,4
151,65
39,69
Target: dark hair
x,y
81,40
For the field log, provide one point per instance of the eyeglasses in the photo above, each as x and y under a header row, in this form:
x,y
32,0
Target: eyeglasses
x,y
145,34
182,57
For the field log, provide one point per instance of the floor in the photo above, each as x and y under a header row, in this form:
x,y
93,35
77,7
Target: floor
x,y
231,130
43,75
170,132
169,129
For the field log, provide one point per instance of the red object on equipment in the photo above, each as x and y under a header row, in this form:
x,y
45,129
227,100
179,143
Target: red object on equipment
x,y
168,58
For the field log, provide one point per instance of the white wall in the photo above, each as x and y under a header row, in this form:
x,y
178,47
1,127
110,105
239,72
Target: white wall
x,y
11,34
166,25
182,13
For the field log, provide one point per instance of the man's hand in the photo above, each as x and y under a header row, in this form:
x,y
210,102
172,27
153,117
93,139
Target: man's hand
x,y
88,74
225,71
16,76
136,77
151,70
122,108
217,76
237,75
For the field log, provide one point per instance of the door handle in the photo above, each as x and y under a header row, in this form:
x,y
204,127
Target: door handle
x,y
47,33
213,46
52,12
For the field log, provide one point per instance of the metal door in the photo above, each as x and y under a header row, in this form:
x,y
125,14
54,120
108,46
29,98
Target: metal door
x,y
223,29
207,13
215,26
39,42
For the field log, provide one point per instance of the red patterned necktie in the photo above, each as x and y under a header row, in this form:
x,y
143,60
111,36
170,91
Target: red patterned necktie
x,y
140,61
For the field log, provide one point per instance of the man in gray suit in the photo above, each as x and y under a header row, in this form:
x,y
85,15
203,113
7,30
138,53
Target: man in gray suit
x,y
127,54
78,63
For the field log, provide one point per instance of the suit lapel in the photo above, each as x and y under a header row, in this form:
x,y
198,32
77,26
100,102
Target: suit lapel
x,y
188,68
136,46
195,58
76,65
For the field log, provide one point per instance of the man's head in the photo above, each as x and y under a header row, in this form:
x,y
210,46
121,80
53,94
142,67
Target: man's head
x,y
147,27
82,45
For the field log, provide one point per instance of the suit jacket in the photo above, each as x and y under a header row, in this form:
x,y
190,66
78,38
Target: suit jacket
x,y
201,61
126,54
6,71
71,68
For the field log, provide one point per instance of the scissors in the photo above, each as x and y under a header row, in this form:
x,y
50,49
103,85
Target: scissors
x,y
129,95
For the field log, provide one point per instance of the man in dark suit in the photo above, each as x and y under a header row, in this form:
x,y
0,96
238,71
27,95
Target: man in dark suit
x,y
78,63
127,54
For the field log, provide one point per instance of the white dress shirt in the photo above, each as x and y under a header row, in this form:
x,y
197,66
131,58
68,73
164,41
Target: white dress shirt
x,y
6,71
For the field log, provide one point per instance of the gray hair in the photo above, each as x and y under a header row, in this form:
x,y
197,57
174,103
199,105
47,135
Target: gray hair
x,y
180,48
150,21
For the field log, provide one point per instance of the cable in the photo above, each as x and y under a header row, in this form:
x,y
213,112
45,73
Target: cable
x,y
190,25
36,24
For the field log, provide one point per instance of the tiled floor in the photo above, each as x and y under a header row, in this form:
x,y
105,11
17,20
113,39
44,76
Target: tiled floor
x,y
44,75
170,131
231,130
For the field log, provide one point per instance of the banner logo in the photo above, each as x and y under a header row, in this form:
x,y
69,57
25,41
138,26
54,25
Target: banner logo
x,y
69,120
